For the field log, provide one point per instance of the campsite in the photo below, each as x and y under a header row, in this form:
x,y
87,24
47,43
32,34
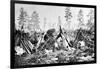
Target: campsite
x,y
34,45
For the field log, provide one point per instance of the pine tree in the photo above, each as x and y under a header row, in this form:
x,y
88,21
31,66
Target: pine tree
x,y
91,18
22,19
80,18
35,21
68,15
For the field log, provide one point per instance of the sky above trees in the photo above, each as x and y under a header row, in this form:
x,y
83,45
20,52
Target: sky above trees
x,y
50,15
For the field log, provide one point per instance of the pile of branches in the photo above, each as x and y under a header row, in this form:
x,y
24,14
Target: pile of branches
x,y
61,55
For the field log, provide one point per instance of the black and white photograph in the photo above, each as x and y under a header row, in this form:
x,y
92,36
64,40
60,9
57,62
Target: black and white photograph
x,y
52,34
